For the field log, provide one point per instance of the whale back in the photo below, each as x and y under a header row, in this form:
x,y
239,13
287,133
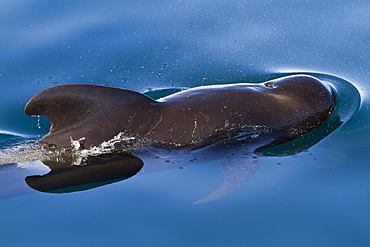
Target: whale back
x,y
286,108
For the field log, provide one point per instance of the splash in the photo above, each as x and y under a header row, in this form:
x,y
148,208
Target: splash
x,y
28,150
119,143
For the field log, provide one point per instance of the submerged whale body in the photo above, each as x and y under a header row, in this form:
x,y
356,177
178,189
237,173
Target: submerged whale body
x,y
256,115
291,106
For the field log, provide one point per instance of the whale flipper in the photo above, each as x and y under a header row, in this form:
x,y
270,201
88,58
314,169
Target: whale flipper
x,y
236,172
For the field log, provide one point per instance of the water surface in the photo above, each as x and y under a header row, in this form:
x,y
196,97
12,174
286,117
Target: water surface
x,y
314,197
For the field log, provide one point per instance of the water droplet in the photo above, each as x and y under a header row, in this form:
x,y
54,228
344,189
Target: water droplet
x,y
38,125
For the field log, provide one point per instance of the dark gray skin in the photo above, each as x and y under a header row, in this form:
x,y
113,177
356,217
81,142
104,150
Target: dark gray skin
x,y
290,106
248,117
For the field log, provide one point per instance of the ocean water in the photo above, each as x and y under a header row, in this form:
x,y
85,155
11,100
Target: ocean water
x,y
315,195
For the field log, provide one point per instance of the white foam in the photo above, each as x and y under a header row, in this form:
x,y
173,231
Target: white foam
x,y
79,156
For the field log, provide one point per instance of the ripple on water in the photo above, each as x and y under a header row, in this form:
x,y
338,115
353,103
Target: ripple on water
x,y
348,104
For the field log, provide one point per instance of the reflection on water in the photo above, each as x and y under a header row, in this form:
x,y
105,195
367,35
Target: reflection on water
x,y
96,171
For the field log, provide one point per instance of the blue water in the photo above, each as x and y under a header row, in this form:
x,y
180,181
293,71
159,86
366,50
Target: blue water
x,y
315,197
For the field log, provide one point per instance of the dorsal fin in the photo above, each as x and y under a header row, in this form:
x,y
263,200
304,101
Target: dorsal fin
x,y
88,111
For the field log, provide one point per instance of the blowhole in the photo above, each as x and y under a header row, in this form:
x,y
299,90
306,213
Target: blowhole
x,y
269,85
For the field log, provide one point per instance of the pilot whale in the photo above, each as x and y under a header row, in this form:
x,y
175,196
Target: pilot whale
x,y
257,115
291,106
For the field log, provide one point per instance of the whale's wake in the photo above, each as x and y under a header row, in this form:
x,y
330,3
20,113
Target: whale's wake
x,y
23,152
